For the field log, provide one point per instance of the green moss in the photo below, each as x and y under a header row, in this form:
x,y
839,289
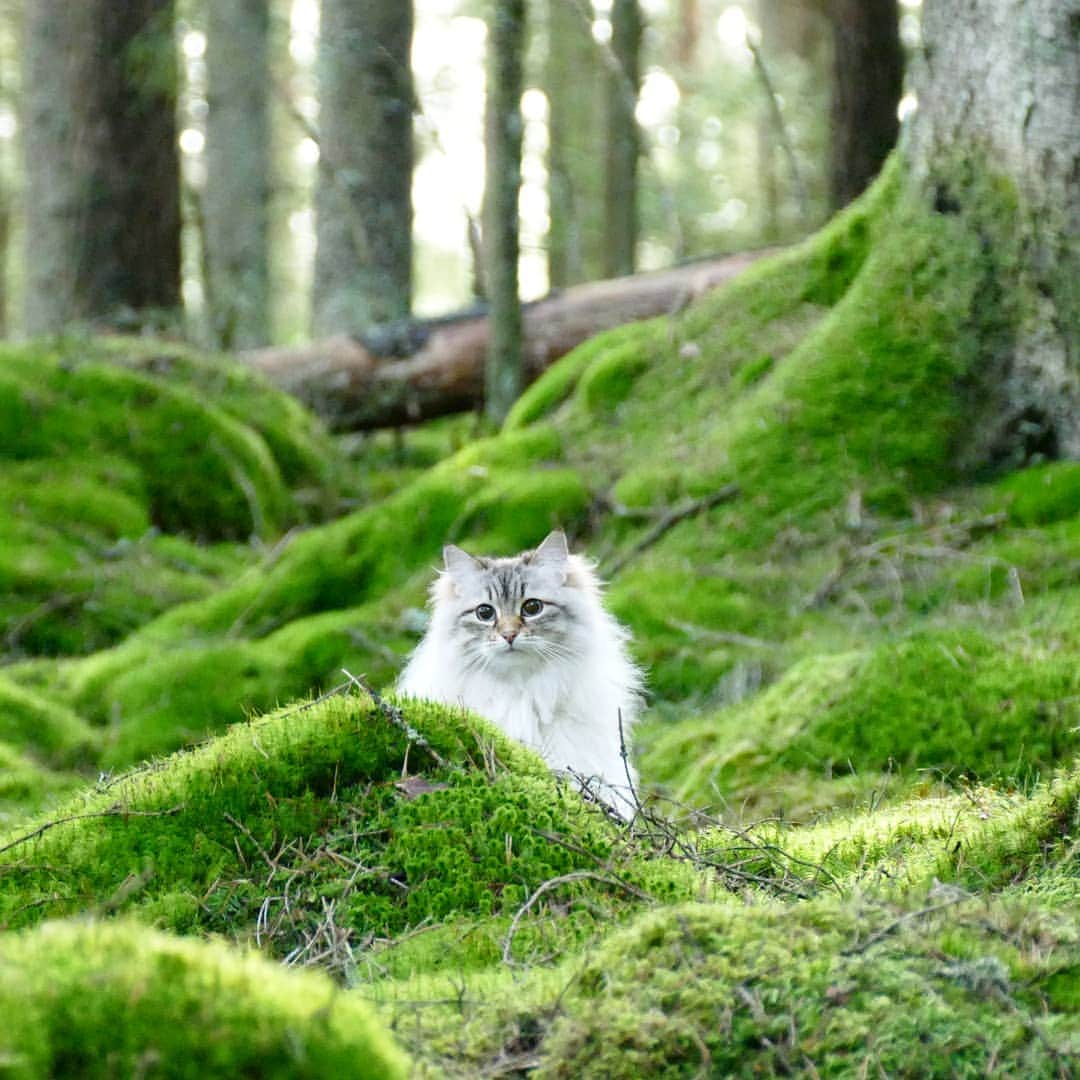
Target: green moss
x,y
28,787
808,985
1043,494
122,1000
609,380
55,735
319,791
952,703
558,382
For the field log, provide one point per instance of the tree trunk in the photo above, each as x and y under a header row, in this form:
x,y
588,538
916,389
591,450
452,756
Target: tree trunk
x,y
424,370
997,122
623,139
504,379
868,75
363,205
236,196
101,161
574,84
788,27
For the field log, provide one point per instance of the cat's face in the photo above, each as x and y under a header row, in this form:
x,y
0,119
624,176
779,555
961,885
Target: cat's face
x,y
507,612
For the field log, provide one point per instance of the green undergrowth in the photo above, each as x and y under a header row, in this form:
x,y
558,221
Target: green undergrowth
x,y
981,838
954,702
95,1000
373,835
943,985
824,394
121,461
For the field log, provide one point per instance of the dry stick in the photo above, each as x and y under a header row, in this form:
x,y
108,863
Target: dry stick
x,y
115,811
638,809
885,931
668,521
781,127
396,717
552,883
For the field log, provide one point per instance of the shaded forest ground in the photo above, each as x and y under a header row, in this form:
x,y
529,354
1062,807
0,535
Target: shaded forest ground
x,y
861,753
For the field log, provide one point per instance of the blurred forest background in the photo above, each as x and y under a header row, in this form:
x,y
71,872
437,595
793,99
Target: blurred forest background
x,y
224,171
267,260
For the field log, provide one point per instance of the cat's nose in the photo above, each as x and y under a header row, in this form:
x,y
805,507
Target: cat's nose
x,y
509,635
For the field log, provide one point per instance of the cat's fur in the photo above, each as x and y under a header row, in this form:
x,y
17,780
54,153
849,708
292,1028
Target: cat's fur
x,y
556,680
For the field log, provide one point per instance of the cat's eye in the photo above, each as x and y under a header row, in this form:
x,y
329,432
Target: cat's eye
x,y
484,612
532,607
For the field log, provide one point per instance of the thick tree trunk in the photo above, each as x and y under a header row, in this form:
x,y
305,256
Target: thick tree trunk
x,y
431,369
363,206
999,109
238,173
574,75
868,76
623,139
504,377
101,160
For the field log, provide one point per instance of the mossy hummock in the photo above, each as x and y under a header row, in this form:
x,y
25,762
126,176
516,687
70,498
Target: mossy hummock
x,y
95,1000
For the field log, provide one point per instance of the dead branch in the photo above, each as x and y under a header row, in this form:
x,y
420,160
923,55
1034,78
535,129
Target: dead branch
x,y
670,519
422,369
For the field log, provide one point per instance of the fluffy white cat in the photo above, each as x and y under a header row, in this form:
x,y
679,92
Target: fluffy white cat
x,y
526,643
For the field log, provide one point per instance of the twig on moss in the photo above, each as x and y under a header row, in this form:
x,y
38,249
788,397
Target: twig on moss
x,y
113,811
891,552
669,520
554,883
958,897
132,884
625,755
396,717
272,863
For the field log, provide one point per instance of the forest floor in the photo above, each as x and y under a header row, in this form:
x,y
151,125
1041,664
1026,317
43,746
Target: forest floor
x,y
857,851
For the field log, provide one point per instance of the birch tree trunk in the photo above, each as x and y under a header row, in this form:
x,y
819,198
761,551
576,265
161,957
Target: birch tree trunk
x,y
363,198
238,173
101,162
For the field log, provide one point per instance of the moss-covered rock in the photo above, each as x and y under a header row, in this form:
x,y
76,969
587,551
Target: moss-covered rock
x,y
92,1000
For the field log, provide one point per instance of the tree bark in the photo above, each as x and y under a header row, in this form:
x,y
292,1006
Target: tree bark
x,y
363,205
101,162
504,377
574,80
868,76
623,139
430,369
997,87
236,196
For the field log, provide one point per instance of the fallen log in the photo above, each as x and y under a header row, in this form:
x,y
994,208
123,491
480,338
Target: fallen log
x,y
424,369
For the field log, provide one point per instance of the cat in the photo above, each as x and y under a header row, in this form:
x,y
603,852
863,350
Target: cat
x,y
526,643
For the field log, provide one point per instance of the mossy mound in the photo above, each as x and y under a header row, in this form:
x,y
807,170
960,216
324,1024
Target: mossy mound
x,y
340,803
983,838
102,461
198,470
93,1000
824,989
951,703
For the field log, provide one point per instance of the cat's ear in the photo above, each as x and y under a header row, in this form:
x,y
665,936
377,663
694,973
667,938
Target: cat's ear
x,y
458,563
553,551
